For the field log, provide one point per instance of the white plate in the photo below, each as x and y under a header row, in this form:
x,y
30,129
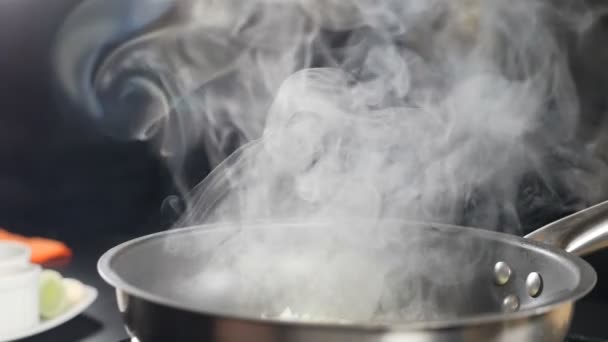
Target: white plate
x,y
90,294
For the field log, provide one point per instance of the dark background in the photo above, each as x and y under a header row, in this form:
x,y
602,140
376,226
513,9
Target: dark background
x,y
61,180
55,174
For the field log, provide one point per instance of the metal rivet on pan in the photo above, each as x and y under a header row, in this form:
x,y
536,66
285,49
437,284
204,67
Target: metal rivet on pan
x,y
534,284
502,273
510,303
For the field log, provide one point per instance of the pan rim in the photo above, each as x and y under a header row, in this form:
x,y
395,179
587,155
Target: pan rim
x,y
586,283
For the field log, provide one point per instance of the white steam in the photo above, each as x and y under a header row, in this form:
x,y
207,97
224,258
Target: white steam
x,y
429,111
426,110
423,106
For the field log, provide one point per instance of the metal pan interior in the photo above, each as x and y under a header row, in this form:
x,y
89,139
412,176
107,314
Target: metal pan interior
x,y
357,273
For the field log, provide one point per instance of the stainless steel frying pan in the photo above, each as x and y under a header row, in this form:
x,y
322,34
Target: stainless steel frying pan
x,y
434,282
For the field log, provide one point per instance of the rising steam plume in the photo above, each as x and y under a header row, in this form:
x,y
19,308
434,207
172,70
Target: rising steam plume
x,y
433,110
424,110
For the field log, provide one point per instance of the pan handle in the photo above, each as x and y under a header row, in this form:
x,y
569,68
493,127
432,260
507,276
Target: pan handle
x,y
581,233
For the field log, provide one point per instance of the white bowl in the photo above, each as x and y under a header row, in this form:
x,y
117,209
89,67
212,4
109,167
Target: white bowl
x,y
13,255
19,298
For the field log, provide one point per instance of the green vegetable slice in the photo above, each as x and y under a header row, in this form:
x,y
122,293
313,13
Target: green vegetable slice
x,y
52,292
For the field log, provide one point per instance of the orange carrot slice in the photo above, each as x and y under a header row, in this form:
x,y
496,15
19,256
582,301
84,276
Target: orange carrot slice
x,y
43,250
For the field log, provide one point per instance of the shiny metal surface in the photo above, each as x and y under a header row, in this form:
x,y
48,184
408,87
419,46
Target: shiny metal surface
x,y
149,274
510,303
502,272
159,323
581,233
534,284
165,268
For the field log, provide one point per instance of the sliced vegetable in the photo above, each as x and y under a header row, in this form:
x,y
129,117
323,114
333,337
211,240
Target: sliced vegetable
x,y
53,297
74,291
43,250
